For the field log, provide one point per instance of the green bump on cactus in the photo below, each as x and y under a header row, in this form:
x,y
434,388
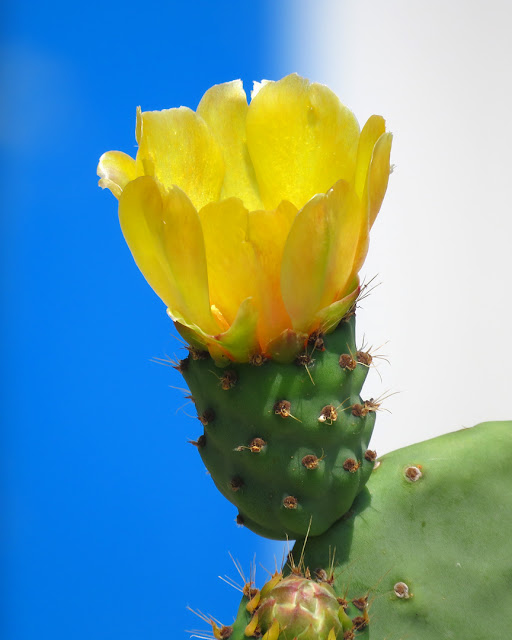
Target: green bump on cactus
x,y
426,544
286,443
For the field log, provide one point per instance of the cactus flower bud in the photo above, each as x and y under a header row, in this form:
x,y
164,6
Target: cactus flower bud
x,y
303,608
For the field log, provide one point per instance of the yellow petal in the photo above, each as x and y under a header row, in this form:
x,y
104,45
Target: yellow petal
x,y
176,147
349,218
164,234
116,169
370,133
229,256
325,243
301,140
267,234
379,174
224,109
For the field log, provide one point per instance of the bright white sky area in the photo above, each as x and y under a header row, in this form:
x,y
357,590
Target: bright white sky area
x,y
440,73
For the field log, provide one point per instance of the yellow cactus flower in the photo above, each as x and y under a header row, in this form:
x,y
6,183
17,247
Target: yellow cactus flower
x,y
251,221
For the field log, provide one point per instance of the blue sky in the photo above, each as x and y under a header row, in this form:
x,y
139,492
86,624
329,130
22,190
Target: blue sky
x,y
113,526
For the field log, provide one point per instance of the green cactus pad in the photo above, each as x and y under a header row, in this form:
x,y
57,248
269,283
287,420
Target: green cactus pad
x,y
427,544
286,443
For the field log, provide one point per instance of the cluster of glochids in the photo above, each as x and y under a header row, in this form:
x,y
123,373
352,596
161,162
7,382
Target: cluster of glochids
x,y
303,606
287,443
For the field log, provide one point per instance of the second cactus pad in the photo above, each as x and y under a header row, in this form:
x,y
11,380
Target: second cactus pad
x,y
287,443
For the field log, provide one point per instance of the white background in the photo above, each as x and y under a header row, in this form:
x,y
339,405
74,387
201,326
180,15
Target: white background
x,y
440,73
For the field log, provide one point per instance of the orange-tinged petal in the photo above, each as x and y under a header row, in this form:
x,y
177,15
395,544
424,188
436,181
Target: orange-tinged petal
x,y
323,245
116,169
164,234
379,174
176,147
267,233
301,140
370,133
224,109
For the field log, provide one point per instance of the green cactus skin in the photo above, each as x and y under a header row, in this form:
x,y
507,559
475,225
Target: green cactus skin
x,y
432,553
283,471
